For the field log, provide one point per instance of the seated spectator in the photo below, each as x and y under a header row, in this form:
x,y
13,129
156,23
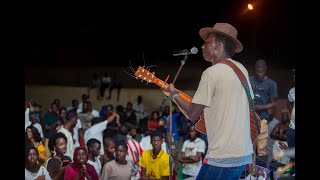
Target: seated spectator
x,y
279,133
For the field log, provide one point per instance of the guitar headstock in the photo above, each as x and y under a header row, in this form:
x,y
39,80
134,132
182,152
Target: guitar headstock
x,y
144,74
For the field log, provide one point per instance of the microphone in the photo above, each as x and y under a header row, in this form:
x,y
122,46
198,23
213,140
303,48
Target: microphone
x,y
183,52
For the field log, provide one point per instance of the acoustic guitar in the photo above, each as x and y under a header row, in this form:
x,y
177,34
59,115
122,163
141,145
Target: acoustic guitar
x,y
200,125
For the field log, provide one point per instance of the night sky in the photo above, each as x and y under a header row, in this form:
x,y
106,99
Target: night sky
x,y
104,33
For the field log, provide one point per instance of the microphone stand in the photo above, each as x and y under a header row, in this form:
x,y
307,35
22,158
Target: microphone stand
x,y
183,61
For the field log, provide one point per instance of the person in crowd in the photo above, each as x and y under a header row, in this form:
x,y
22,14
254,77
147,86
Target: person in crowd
x,y
265,95
138,108
219,91
109,150
55,164
154,163
80,168
146,144
191,154
33,170
105,84
74,105
67,130
94,146
119,168
96,84
97,128
51,120
130,114
153,121
116,83
32,138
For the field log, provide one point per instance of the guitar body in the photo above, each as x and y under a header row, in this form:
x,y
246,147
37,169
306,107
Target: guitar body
x,y
201,125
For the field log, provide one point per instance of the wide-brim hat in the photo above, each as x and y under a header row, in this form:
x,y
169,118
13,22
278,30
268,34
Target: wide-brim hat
x,y
224,28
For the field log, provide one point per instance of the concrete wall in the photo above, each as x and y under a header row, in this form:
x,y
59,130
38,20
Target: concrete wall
x,y
67,83
152,98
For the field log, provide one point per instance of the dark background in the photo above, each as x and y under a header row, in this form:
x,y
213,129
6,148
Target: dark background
x,y
109,34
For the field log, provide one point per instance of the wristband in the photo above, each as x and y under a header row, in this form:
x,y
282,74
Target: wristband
x,y
173,96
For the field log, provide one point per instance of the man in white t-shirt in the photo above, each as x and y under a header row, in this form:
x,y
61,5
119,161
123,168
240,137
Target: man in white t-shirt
x,y
191,154
223,100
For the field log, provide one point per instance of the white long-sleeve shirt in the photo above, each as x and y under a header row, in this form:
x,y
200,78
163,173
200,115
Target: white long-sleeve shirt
x,y
96,131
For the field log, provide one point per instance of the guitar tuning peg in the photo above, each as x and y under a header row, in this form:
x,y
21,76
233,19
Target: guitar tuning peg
x,y
147,83
142,80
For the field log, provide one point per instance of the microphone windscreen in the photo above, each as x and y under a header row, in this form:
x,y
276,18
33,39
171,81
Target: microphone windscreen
x,y
194,50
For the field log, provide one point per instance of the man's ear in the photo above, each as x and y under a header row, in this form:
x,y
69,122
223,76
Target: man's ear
x,y
218,46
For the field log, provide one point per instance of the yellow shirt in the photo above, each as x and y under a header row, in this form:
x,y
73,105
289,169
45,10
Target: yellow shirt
x,y
155,168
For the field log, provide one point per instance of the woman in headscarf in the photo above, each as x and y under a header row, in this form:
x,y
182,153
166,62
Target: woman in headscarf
x,y
80,168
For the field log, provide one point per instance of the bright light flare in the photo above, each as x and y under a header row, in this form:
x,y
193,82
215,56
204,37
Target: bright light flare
x,y
250,7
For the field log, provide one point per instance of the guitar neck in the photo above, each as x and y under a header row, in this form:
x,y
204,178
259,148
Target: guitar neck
x,y
164,85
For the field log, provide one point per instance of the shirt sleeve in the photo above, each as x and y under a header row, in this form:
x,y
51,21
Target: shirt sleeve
x,y
142,161
184,146
78,125
201,146
205,90
100,127
273,90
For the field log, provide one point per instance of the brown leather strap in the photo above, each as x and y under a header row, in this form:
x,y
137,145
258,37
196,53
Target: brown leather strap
x,y
245,84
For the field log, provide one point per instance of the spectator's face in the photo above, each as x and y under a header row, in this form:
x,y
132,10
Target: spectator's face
x,y
260,73
63,114
74,120
95,149
162,123
156,142
82,157
133,132
110,148
85,106
121,153
285,116
192,133
32,157
29,133
75,104
155,116
54,109
61,145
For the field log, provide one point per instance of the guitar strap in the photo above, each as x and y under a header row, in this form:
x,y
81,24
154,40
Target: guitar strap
x,y
246,87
